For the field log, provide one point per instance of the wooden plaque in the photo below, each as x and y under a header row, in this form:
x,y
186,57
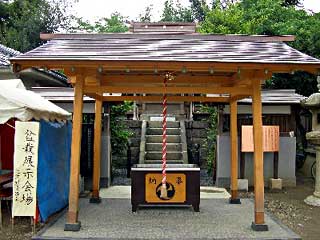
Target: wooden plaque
x,y
176,185
271,136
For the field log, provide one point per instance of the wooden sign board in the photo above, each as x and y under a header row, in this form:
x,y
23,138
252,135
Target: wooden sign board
x,y
176,186
26,143
271,135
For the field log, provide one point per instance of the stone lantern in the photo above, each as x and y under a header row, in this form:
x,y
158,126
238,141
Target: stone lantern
x,y
313,103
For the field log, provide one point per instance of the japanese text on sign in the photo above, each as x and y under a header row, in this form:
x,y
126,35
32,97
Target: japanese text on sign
x,y
25,168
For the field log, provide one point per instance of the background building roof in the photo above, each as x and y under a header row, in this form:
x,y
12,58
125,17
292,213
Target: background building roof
x,y
5,54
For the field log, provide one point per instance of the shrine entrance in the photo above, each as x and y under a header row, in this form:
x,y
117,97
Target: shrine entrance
x,y
227,67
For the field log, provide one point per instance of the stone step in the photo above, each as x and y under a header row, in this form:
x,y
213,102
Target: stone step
x,y
158,131
157,161
158,139
158,124
175,147
158,155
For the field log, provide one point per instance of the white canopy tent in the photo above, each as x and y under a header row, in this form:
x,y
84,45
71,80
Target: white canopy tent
x,y
17,102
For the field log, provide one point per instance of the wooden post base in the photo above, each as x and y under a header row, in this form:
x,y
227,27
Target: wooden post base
x,y
234,201
72,227
95,200
259,227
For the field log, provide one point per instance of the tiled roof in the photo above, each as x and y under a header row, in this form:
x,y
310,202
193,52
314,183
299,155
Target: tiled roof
x,y
5,54
158,47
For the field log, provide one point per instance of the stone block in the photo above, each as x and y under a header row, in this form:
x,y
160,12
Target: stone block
x,y
200,124
133,123
198,140
136,132
188,124
135,142
199,133
243,185
275,184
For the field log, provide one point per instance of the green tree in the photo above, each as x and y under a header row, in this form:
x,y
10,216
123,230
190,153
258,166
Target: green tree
x,y
271,17
175,12
21,21
120,133
292,3
146,15
198,8
113,24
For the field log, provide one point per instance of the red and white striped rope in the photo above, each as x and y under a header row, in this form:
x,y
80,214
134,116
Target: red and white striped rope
x,y
164,135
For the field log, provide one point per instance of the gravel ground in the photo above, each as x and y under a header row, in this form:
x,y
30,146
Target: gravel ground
x,y
22,228
286,205
217,219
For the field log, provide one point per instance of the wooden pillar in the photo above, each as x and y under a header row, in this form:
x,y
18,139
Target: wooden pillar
x,y
72,223
258,224
234,153
95,198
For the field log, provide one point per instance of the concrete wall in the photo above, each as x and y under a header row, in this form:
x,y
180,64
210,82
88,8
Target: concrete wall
x,y
287,162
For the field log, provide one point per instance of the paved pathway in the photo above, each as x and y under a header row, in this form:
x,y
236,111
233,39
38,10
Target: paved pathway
x,y
217,219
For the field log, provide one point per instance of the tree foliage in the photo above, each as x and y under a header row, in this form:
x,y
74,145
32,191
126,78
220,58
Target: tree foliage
x,y
21,21
210,142
271,17
198,9
146,15
113,24
120,133
174,12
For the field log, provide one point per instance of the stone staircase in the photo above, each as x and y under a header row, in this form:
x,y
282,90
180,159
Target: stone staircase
x,y
151,143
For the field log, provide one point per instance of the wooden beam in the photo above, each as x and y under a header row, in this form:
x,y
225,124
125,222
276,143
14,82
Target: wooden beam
x,y
149,78
75,152
170,99
245,77
234,151
258,153
170,90
238,97
56,63
97,152
95,96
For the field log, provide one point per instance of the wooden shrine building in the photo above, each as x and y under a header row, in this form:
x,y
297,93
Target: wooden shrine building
x,y
232,67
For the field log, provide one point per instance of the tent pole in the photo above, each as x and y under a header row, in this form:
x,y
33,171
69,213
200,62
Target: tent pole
x,y
72,223
95,198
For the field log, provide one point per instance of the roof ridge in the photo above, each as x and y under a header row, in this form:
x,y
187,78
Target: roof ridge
x,y
170,36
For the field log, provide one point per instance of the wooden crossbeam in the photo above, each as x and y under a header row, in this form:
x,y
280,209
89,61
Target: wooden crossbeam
x,y
170,99
78,65
169,90
245,77
94,96
238,97
180,79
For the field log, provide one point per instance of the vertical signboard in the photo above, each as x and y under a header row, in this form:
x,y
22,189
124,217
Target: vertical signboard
x,y
270,139
25,168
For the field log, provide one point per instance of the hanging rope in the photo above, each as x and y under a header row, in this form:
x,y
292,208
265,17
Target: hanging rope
x,y
164,194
